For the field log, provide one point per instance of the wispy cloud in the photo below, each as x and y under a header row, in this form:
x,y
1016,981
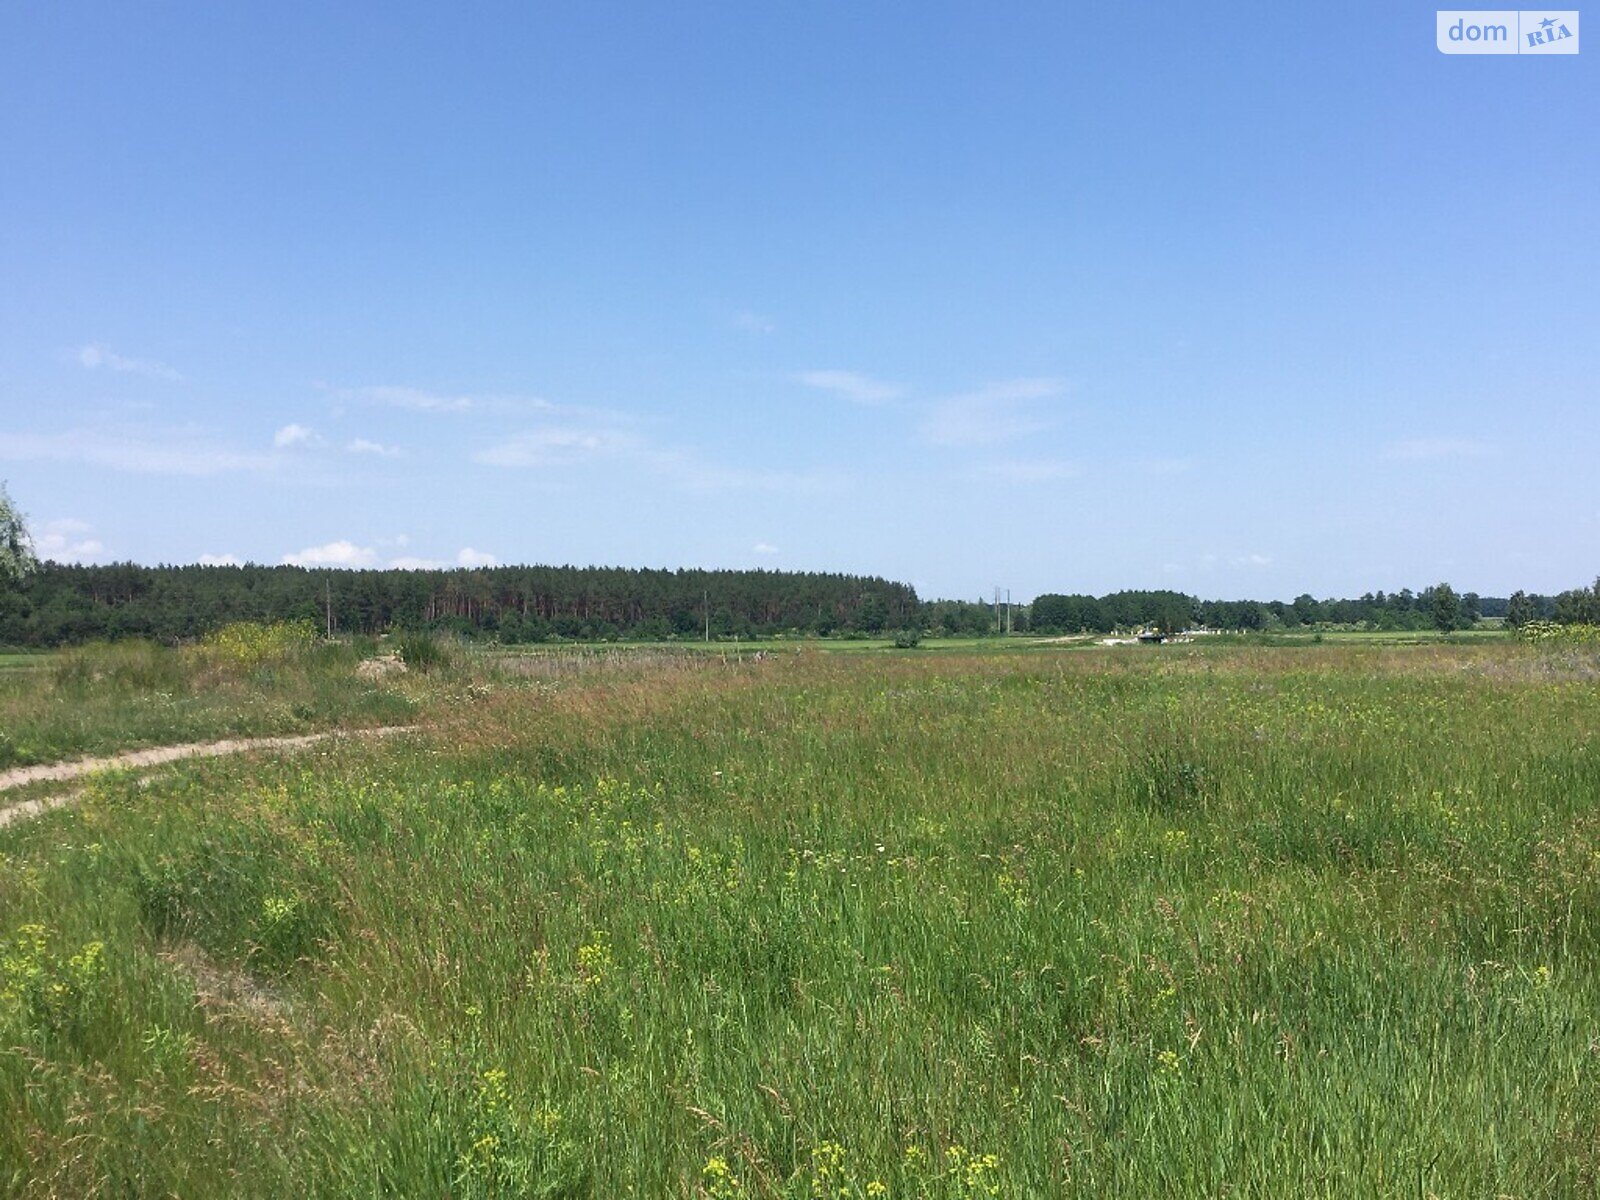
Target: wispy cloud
x,y
996,412
375,449
558,450
561,445
293,435
1251,560
468,557
172,452
1422,449
852,385
414,399
96,356
221,560
764,548
66,540
751,322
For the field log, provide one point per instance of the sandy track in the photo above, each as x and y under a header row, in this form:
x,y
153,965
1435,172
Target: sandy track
x,y
155,756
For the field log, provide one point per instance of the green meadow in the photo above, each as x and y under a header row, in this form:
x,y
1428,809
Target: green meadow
x,y
114,696
1312,921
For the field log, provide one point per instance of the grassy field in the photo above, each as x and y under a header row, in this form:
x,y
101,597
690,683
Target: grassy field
x,y
1391,637
109,697
1266,922
770,646
1016,644
18,661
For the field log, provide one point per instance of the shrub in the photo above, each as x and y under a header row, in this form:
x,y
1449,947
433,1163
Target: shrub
x,y
246,645
1552,633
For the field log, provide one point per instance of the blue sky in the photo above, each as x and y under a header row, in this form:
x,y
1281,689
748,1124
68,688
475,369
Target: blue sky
x,y
1245,301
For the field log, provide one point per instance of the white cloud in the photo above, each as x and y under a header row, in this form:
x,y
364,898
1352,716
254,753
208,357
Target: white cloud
x,y
63,541
96,356
1252,560
422,400
764,548
415,399
751,322
221,560
852,385
293,435
376,449
1422,449
997,412
558,449
334,554
345,553
466,557
560,445
170,452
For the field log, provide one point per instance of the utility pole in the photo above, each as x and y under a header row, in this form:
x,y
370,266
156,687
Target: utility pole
x,y
997,609
327,604
705,605
1008,612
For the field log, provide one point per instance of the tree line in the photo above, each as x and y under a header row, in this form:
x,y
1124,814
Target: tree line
x,y
1437,607
61,603
1577,606
57,604
52,604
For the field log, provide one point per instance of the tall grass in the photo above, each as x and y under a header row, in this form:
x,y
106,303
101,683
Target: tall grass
x,y
243,679
1245,923
421,651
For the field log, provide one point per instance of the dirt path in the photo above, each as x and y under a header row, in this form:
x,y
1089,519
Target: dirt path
x,y
155,757
32,808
